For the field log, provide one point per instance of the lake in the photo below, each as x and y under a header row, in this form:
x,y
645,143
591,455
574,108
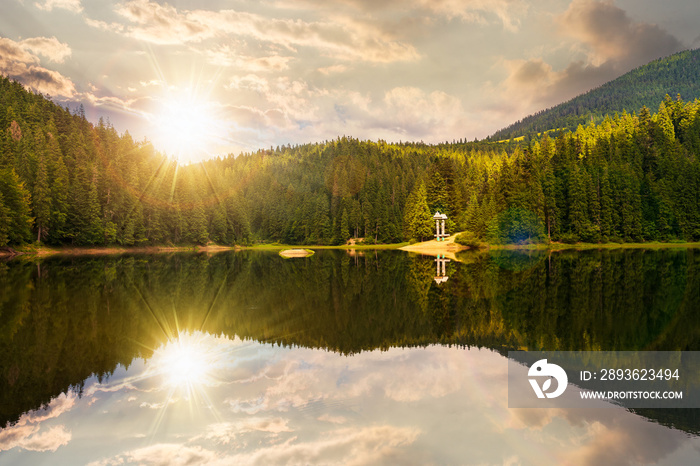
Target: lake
x,y
344,357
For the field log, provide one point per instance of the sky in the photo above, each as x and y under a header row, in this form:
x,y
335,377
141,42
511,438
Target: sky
x,y
211,77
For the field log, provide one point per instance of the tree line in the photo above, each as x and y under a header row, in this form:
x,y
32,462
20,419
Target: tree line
x,y
65,181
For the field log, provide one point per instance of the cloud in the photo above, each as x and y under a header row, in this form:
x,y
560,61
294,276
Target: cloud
x,y
342,38
17,63
328,70
70,5
332,419
410,111
48,47
507,12
226,57
609,41
612,35
162,24
281,107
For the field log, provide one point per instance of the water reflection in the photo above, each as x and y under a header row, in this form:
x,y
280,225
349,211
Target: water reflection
x,y
276,405
441,274
245,357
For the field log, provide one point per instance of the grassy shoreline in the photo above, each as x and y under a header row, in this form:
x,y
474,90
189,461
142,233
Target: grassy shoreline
x,y
45,251
584,246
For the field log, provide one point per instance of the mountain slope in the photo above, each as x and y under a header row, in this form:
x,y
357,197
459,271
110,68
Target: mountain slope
x,y
643,86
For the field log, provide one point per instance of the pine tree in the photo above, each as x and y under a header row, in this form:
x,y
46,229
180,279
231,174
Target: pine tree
x,y
436,193
344,226
470,219
17,201
4,223
418,221
42,201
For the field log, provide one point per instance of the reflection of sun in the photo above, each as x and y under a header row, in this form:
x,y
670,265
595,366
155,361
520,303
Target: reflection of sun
x,y
185,127
186,367
187,363
183,364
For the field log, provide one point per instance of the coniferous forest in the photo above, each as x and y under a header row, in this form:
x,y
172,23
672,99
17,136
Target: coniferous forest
x,y
643,86
64,181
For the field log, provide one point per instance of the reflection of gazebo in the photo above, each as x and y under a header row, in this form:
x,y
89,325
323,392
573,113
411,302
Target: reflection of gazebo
x,y
441,275
440,222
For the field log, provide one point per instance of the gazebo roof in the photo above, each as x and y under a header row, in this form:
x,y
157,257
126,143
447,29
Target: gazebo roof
x,y
439,216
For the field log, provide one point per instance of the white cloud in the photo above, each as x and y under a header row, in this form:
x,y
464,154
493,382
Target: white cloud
x,y
341,37
328,70
18,63
225,56
508,12
162,24
49,47
70,5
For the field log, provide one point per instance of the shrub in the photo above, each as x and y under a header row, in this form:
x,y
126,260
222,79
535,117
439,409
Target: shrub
x,y
569,238
469,239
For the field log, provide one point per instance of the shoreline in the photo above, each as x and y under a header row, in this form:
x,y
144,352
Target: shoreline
x,y
431,247
45,251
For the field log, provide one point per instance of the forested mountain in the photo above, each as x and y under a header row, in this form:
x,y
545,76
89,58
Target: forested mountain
x,y
643,86
633,177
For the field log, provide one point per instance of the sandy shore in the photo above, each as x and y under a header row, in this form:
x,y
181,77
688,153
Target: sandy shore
x,y
434,247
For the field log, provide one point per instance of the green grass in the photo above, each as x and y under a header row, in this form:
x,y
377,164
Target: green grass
x,y
581,246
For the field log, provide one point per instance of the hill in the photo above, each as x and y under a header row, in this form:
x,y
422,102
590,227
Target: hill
x,y
643,86
66,181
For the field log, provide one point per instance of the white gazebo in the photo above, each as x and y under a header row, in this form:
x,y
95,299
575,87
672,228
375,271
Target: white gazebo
x,y
440,222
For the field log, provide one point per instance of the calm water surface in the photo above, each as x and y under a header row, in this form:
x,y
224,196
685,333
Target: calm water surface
x,y
340,358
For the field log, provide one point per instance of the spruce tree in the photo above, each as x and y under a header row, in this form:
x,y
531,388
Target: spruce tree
x,y
42,201
4,223
17,201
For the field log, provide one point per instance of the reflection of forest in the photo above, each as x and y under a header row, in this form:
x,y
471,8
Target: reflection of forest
x,y
63,319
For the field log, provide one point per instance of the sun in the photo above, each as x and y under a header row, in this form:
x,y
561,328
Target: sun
x,y
185,127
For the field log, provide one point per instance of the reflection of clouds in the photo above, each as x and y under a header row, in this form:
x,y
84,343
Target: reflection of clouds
x,y
350,446
48,440
391,373
225,432
26,432
55,408
162,454
160,405
610,436
433,405
370,445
